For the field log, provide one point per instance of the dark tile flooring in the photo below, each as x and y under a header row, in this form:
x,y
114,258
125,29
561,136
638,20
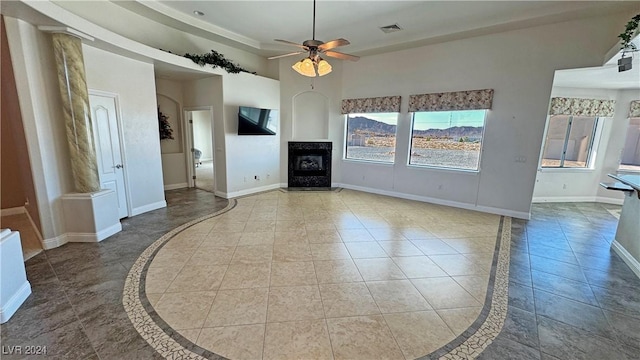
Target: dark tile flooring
x,y
570,296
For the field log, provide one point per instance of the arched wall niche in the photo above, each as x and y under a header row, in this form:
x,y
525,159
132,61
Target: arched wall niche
x,y
171,108
310,116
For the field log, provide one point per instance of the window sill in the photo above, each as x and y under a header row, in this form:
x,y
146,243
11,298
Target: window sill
x,y
370,162
561,170
444,169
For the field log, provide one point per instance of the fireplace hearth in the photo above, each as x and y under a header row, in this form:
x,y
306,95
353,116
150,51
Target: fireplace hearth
x,y
309,164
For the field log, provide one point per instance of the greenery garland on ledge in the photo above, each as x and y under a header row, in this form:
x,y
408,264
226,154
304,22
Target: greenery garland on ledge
x,y
215,59
629,31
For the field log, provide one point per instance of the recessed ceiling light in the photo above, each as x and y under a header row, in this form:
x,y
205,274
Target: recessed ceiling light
x,y
199,13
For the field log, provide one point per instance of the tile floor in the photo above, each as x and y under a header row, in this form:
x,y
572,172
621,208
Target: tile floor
x,y
570,297
344,275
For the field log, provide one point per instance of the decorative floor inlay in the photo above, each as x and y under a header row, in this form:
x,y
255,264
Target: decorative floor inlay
x,y
324,275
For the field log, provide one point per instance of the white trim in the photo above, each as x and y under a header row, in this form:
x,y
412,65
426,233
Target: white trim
x,y
608,200
148,207
221,194
574,199
54,242
65,30
626,257
7,311
176,186
13,211
235,194
488,209
94,237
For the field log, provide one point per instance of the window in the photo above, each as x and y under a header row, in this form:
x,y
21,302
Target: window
x,y
630,159
371,137
569,141
448,139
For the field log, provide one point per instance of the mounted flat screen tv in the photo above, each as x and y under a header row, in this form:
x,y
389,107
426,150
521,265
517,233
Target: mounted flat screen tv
x,y
255,121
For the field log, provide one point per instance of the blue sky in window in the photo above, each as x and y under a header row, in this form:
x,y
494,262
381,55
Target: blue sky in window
x,y
387,118
448,119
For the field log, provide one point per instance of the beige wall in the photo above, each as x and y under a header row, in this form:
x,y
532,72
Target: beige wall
x,y
17,183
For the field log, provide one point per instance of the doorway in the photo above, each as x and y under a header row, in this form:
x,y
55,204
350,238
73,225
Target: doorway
x,y
200,148
106,132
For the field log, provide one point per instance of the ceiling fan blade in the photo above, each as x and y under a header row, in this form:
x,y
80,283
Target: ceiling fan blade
x,y
333,44
292,43
285,55
342,56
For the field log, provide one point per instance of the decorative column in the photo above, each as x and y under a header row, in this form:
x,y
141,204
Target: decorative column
x,y
77,113
90,214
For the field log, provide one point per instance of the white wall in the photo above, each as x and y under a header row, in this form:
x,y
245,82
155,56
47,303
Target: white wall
x,y
519,66
44,125
248,156
202,134
134,82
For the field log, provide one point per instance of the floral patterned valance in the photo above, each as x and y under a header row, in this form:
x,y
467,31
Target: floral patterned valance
x,y
458,100
634,109
581,107
371,105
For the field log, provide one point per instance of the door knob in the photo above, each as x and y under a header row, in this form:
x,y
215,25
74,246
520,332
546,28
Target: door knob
x,y
119,166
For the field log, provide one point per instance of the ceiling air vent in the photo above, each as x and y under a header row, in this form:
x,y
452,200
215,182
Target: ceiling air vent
x,y
390,28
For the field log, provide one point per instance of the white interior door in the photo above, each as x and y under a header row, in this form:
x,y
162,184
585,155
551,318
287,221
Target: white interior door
x,y
104,117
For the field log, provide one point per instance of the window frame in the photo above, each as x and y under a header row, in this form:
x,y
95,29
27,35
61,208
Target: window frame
x,y
596,131
370,161
635,170
448,168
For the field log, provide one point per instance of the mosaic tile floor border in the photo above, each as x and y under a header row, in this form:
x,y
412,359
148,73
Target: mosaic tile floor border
x,y
171,345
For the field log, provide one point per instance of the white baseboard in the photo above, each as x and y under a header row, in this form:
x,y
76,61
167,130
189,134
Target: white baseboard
x,y
221,194
175,186
570,199
606,200
148,207
94,237
236,194
54,242
488,209
13,211
626,257
8,309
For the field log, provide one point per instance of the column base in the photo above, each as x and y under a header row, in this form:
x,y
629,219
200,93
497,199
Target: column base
x,y
91,217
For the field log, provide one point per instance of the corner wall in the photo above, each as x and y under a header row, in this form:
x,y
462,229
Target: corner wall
x,y
250,156
134,82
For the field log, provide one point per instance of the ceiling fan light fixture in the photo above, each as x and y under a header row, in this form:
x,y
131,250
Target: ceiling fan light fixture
x,y
324,67
305,67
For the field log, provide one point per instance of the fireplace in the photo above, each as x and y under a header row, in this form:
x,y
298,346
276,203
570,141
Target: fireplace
x,y
309,164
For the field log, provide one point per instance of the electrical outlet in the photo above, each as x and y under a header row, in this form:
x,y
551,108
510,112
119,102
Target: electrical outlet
x,y
257,177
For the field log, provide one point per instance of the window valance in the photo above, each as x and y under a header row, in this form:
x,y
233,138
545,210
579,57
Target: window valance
x,y
634,108
458,100
371,105
582,107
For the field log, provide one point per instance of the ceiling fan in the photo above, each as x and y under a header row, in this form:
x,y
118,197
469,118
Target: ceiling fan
x,y
314,65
